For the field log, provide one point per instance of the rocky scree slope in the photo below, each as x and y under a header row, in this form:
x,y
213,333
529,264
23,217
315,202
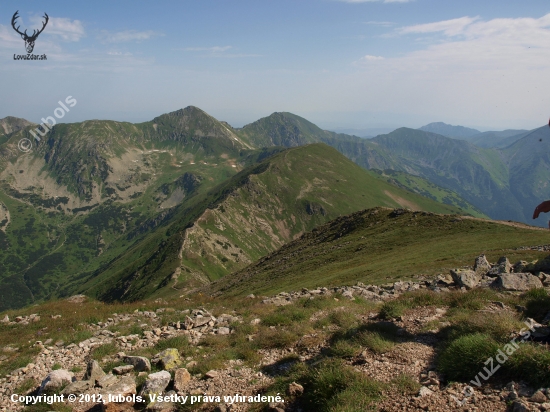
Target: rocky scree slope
x,y
355,331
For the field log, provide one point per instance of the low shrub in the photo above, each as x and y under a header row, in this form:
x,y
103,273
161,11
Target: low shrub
x,y
393,309
537,302
275,338
26,386
375,341
344,349
531,362
335,387
406,384
342,318
99,352
474,299
465,356
179,342
498,325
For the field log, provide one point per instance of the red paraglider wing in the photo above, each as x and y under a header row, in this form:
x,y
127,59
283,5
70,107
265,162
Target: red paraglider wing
x,y
544,207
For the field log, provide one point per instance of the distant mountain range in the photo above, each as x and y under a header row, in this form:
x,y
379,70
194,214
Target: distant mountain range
x,y
503,183
444,129
498,139
124,211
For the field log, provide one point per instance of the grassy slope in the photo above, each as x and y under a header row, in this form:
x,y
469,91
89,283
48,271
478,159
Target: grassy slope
x,y
302,188
273,197
426,188
43,246
502,183
374,246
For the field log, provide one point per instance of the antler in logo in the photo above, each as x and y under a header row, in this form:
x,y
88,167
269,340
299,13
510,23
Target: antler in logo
x,y
29,40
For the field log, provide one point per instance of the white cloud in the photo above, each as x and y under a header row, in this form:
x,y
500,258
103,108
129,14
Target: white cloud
x,y
219,51
380,23
484,71
8,37
493,44
371,1
449,27
67,29
215,49
370,58
128,36
115,53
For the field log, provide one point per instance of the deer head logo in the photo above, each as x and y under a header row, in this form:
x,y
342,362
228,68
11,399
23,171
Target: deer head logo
x,y
29,40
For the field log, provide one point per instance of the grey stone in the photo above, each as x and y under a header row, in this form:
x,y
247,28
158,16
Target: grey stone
x,y
519,406
56,380
161,407
201,320
124,387
544,278
106,380
156,383
481,265
538,397
517,282
77,387
295,389
519,267
211,374
168,359
424,391
280,301
123,370
181,378
348,294
93,371
465,278
140,363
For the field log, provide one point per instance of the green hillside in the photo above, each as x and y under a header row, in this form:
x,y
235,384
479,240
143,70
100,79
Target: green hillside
x,y
529,159
378,246
123,211
501,183
427,189
89,191
249,215
500,139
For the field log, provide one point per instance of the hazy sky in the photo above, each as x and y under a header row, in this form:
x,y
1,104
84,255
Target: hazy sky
x,y
348,64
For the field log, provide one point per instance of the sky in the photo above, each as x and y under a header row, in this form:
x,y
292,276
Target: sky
x,y
342,64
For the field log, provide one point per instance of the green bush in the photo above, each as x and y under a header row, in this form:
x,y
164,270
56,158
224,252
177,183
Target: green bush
x,y
375,341
333,386
344,349
474,299
537,302
499,325
99,352
531,362
26,386
179,342
464,357
286,315
273,338
393,309
406,384
343,319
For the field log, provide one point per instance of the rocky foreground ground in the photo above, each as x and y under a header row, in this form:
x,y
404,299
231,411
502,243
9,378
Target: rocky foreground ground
x,y
72,369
